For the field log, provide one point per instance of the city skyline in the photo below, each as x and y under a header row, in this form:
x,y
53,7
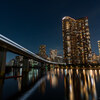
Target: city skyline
x,y
49,49
38,22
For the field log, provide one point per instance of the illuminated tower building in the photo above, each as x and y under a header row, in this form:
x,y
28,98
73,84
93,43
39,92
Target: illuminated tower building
x,y
42,51
99,49
95,58
76,41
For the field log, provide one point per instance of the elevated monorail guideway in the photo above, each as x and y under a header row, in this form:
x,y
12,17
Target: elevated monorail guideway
x,y
9,45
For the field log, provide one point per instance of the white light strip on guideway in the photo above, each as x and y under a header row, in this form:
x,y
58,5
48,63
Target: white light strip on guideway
x,y
11,41
15,44
5,39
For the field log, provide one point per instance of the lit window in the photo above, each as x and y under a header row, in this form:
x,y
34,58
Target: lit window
x,y
87,33
80,24
68,37
87,29
86,24
67,25
69,54
86,20
69,49
68,43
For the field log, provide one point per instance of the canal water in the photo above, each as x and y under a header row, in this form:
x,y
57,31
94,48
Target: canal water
x,y
50,84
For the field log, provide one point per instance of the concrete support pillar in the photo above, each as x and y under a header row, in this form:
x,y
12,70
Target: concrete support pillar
x,y
24,82
1,88
43,64
48,65
2,61
59,66
25,62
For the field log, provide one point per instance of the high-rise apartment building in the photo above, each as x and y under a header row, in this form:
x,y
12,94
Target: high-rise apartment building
x,y
42,51
76,40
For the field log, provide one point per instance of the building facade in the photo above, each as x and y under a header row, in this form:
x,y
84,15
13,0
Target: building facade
x,y
11,62
53,54
95,58
99,49
42,51
19,60
76,41
59,59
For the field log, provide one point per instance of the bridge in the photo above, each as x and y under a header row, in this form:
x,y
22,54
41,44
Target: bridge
x,y
9,45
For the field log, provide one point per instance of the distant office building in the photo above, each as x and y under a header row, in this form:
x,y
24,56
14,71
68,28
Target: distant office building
x,y
95,58
99,46
98,59
99,49
11,62
76,41
19,60
59,59
42,51
32,62
53,54
48,58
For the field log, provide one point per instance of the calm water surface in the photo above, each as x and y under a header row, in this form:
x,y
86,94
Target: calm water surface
x,y
50,84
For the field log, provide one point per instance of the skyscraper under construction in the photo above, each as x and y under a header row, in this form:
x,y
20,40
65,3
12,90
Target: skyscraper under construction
x,y
76,40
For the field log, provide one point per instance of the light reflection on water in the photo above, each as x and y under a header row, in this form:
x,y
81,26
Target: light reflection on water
x,y
59,83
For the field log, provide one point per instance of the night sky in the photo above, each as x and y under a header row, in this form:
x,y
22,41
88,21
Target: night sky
x,y
31,23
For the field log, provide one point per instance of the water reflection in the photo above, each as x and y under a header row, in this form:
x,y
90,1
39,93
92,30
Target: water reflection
x,y
80,84
53,78
17,81
70,84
